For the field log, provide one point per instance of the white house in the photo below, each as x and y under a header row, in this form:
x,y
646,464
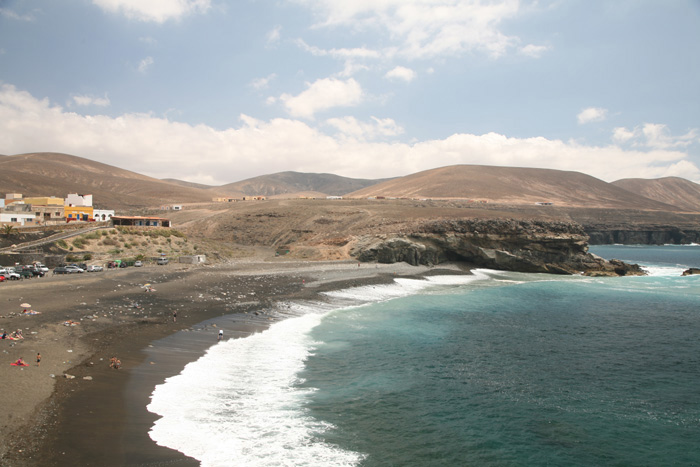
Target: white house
x,y
74,199
16,218
102,214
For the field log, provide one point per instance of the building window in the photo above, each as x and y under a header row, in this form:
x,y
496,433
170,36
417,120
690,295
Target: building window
x,y
13,219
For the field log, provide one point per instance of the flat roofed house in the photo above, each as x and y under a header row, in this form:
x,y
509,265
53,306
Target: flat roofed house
x,y
140,221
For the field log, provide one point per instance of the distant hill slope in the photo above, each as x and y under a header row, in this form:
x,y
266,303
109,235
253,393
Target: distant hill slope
x,y
45,174
671,190
295,182
175,181
510,185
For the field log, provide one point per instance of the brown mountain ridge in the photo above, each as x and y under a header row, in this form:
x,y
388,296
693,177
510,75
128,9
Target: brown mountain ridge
x,y
43,174
512,186
676,191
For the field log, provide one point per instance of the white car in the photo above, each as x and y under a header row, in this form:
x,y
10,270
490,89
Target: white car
x,y
10,274
94,268
41,267
73,269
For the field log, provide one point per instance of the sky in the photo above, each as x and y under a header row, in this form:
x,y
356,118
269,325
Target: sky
x,y
215,91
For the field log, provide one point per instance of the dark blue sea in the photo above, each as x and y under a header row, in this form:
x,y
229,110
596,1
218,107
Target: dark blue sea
x,y
494,369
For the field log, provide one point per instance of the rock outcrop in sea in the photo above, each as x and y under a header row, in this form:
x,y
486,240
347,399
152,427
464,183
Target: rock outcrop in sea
x,y
505,244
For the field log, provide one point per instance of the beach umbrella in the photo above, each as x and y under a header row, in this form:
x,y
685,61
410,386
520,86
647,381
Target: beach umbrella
x,y
25,305
146,285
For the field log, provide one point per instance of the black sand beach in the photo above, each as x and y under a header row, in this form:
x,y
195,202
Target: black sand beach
x,y
102,420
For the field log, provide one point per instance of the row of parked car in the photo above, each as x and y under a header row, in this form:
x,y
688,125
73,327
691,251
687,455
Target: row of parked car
x,y
22,272
39,270
77,268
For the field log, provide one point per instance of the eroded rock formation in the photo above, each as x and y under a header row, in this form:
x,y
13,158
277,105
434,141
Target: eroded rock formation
x,y
526,246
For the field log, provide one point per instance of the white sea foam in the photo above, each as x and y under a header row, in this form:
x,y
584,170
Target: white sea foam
x,y
240,403
664,271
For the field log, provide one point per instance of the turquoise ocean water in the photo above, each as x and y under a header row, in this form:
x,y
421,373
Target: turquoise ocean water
x,y
502,369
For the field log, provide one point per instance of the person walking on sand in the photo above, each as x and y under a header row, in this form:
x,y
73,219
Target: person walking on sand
x,y
174,316
38,359
221,334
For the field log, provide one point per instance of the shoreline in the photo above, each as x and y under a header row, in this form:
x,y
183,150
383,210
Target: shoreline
x,y
104,421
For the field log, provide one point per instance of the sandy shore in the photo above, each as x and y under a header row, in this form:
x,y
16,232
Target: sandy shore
x,y
99,417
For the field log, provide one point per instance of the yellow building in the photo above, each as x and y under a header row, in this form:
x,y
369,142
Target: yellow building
x,y
44,201
78,213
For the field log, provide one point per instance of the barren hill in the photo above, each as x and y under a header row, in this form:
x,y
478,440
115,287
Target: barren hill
x,y
676,191
512,186
45,174
283,183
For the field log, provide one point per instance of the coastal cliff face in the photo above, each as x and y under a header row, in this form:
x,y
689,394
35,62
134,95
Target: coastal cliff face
x,y
640,235
526,246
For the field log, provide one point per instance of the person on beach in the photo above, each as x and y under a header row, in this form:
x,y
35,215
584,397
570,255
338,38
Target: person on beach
x,y
20,362
38,359
174,316
221,334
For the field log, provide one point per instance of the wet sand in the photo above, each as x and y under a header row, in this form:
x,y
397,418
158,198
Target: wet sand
x,y
102,420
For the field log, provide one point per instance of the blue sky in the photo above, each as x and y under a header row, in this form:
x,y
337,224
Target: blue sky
x,y
213,91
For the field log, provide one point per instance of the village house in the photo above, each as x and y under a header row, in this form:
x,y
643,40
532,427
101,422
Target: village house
x,y
47,209
139,221
78,207
17,213
102,214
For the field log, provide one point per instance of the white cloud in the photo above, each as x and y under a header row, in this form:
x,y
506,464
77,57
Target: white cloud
x,y
425,28
274,35
659,136
91,101
323,94
402,73
534,51
343,53
350,127
10,14
158,11
592,114
263,83
622,134
259,147
148,40
656,136
145,64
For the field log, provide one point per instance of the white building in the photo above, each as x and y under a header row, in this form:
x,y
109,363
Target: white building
x,y
102,214
20,218
74,199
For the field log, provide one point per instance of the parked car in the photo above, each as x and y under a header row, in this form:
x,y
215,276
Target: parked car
x,y
31,271
2,279
72,268
162,261
41,267
9,273
27,273
138,264
94,268
61,270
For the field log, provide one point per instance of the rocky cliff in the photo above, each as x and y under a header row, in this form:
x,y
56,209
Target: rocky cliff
x,y
642,235
513,245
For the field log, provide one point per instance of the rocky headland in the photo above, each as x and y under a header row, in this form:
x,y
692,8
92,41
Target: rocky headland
x,y
505,244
